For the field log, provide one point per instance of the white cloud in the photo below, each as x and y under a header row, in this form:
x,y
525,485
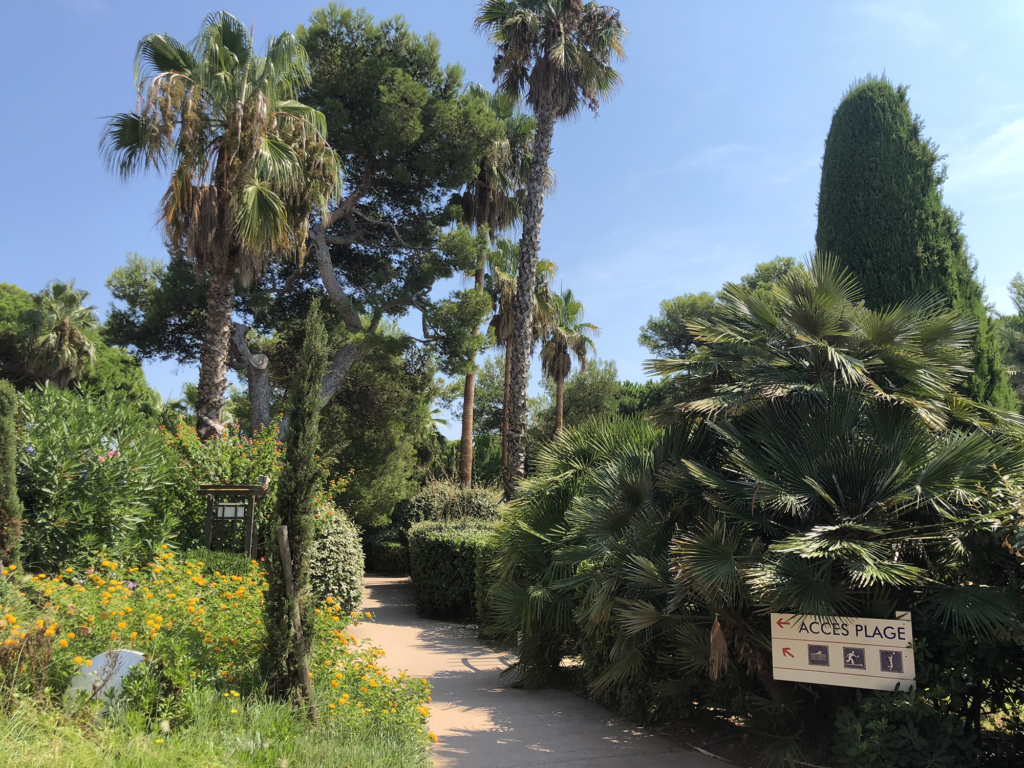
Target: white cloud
x,y
996,158
919,26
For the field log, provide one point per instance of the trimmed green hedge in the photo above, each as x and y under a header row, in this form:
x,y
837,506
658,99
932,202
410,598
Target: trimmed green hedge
x,y
388,557
447,502
446,562
336,561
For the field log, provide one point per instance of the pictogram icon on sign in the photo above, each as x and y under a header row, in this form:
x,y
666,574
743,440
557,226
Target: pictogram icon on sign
x,y
817,655
853,658
891,661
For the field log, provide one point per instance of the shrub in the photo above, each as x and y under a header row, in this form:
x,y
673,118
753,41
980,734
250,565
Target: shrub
x,y
443,560
230,457
298,500
447,502
390,557
387,550
203,637
92,474
219,563
902,730
336,562
10,505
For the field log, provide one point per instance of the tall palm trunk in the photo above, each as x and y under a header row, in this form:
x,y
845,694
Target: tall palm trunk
x,y
468,397
504,409
522,333
220,299
559,388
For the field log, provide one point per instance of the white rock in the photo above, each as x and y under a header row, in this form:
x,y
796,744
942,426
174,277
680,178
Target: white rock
x,y
103,679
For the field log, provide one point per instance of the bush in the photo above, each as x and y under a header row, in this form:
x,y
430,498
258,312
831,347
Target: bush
x,y
902,730
444,560
447,502
10,505
336,562
229,458
219,563
387,550
93,474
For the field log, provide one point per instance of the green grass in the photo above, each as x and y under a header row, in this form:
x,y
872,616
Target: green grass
x,y
261,733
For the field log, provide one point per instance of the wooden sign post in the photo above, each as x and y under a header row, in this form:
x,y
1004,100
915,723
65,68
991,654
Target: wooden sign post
x,y
229,516
856,653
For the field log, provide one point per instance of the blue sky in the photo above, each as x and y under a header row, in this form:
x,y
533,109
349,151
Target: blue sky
x,y
706,161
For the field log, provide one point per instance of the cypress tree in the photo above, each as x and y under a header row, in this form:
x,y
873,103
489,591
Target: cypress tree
x,y
10,505
880,211
297,490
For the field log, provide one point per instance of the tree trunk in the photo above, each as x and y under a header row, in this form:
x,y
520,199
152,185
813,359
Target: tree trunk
x,y
213,360
559,387
504,412
259,392
522,334
468,397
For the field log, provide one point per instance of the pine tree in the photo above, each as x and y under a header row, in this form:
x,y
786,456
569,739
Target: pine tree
x,y
880,211
298,486
10,506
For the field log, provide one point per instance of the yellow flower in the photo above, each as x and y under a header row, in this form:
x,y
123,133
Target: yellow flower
x,y
122,625
432,736
71,635
78,659
63,643
234,711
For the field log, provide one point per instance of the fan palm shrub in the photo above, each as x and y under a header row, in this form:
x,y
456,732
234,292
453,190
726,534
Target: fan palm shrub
x,y
535,573
822,463
248,164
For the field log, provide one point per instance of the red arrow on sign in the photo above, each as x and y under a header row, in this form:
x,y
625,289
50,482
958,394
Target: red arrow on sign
x,y
782,623
785,652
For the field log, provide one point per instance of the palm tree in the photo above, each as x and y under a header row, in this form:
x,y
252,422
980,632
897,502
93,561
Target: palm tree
x,y
56,346
248,164
556,54
565,337
504,268
493,199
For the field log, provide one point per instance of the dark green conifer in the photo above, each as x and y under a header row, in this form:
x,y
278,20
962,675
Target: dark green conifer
x,y
298,487
10,505
880,211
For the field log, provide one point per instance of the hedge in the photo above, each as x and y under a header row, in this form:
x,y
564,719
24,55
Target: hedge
x,y
336,562
447,502
447,562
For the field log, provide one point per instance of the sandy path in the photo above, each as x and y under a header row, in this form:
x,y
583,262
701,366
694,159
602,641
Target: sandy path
x,y
482,723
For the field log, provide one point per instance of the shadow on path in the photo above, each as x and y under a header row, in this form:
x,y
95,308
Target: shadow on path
x,y
480,722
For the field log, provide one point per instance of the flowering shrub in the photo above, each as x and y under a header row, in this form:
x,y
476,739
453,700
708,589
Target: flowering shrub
x,y
92,472
198,631
231,457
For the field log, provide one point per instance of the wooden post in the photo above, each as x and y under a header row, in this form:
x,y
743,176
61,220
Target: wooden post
x,y
210,510
247,542
289,589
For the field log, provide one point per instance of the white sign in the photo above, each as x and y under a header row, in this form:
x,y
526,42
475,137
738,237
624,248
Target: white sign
x,y
856,653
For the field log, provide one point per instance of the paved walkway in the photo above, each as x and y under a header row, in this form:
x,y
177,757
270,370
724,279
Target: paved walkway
x,y
482,723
